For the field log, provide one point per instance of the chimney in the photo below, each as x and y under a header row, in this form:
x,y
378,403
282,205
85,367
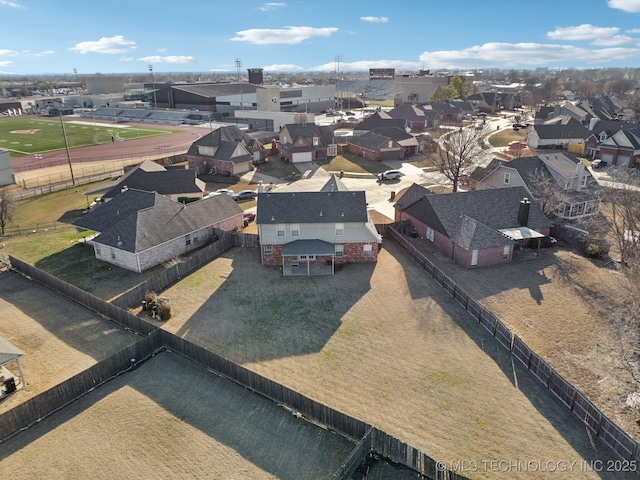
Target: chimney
x,y
523,212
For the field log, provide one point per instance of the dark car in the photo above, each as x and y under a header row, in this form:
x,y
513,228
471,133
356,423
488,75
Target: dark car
x,y
244,195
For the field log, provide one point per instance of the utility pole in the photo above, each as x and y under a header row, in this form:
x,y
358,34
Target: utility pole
x,y
66,146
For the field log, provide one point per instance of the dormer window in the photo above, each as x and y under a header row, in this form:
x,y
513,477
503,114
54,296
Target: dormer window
x,y
315,141
603,136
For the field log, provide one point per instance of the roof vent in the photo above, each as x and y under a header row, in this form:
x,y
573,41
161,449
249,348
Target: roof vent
x,y
320,212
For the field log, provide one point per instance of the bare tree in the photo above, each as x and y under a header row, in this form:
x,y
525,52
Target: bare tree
x,y
623,207
7,209
300,118
546,191
460,150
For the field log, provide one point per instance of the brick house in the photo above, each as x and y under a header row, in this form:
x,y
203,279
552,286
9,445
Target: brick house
x,y
227,151
138,230
305,142
413,115
375,147
309,232
576,187
621,149
477,228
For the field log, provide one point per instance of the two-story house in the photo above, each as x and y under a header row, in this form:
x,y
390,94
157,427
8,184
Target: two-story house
x,y
575,190
307,233
305,142
227,151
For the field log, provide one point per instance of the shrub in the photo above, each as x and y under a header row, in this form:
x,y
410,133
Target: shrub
x,y
594,250
164,311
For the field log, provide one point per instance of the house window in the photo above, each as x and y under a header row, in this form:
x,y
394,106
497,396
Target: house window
x,y
113,254
367,250
339,251
280,230
507,178
187,239
315,141
430,233
505,252
268,249
390,143
295,230
474,258
98,253
339,229
195,239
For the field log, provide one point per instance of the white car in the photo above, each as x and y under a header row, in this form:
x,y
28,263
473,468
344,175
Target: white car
x,y
389,175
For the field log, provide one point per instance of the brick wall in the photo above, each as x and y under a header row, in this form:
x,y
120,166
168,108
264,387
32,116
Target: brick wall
x,y
353,253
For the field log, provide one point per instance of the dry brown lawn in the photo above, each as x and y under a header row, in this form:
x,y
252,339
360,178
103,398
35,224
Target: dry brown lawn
x,y
386,344
59,338
171,419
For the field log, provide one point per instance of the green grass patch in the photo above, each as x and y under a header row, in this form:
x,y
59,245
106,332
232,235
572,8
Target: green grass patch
x,y
354,164
275,167
28,135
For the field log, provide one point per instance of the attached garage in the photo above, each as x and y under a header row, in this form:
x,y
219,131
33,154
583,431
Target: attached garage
x,y
607,158
390,154
299,157
623,160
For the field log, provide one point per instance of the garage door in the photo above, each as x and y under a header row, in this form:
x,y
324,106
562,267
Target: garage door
x,y
390,155
301,157
623,160
607,158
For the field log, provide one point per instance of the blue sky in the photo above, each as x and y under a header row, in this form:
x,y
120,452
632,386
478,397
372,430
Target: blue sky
x,y
47,36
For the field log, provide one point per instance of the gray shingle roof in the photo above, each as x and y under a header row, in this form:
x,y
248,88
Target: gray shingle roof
x,y
136,220
312,207
573,129
225,140
165,182
472,219
369,141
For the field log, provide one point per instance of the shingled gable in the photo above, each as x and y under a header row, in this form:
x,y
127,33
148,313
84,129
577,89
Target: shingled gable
x,y
369,141
414,193
334,185
173,182
380,119
136,220
495,209
227,143
571,130
312,207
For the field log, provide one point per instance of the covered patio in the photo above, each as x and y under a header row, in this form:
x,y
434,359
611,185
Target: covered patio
x,y
9,383
300,258
520,234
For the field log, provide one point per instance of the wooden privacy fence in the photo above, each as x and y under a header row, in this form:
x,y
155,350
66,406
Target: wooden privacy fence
x,y
598,423
48,402
168,276
106,309
369,439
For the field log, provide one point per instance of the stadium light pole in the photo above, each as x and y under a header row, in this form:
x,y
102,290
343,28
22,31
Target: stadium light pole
x,y
153,85
66,146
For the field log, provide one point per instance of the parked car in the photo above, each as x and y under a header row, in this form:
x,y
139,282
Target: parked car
x,y
225,191
244,195
248,217
598,164
389,175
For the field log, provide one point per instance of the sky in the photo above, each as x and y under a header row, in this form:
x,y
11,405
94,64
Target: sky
x,y
114,37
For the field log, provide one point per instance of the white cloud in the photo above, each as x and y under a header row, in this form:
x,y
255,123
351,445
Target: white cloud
x,y
7,3
523,54
364,65
115,44
161,50
5,63
375,19
43,53
180,59
613,41
631,6
4,52
582,32
271,6
632,30
286,35
283,67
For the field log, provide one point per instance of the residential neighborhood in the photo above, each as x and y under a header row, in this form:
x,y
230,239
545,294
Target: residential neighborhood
x,y
352,270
